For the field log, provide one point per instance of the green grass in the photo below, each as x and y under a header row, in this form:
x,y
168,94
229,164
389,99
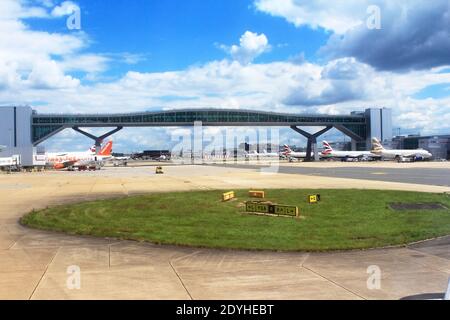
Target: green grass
x,y
344,219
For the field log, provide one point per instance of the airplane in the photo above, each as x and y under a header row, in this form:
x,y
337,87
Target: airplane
x,y
290,155
264,154
121,158
118,161
329,152
162,158
69,160
399,155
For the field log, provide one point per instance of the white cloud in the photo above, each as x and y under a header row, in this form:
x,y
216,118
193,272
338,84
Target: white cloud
x,y
35,67
66,8
132,58
90,63
47,3
8,75
337,16
38,59
49,75
13,9
251,45
414,34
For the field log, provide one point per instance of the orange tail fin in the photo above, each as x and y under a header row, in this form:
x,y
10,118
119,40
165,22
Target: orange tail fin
x,y
107,149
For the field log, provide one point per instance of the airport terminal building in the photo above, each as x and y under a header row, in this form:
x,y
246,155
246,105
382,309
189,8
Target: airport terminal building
x,y
22,129
16,135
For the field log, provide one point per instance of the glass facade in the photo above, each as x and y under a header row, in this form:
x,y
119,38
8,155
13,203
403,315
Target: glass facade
x,y
211,117
44,125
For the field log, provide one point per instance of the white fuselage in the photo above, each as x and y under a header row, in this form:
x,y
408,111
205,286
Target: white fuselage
x,y
264,154
77,158
122,158
349,154
10,161
392,154
6,162
299,155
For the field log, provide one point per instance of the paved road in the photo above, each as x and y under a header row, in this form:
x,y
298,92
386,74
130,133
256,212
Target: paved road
x,y
425,176
34,264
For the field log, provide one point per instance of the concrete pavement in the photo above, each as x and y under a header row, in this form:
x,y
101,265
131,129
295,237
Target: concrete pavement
x,y
436,173
33,264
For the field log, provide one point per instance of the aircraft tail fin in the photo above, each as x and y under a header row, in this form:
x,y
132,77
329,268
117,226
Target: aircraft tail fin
x,y
376,145
327,149
287,150
107,149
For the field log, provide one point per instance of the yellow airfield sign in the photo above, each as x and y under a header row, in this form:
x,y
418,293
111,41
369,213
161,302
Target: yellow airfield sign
x,y
256,194
314,198
268,208
228,196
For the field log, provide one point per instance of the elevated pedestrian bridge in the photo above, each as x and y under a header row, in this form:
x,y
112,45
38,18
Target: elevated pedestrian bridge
x,y
46,125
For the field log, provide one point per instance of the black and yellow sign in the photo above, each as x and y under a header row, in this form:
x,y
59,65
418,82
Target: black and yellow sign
x,y
257,207
159,170
256,194
314,198
228,196
268,208
286,210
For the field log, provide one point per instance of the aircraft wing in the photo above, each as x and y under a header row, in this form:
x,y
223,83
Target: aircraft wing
x,y
64,164
84,163
409,155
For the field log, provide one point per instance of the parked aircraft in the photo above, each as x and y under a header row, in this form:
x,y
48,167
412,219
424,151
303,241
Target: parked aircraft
x,y
399,154
88,158
329,152
120,161
264,154
122,158
290,155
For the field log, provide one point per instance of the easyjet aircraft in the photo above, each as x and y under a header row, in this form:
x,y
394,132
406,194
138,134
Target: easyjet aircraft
x,y
63,160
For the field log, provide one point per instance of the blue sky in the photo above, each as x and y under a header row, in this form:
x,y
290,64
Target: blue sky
x,y
273,55
172,35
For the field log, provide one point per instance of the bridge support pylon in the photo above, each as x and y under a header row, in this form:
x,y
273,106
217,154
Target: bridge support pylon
x,y
98,140
312,141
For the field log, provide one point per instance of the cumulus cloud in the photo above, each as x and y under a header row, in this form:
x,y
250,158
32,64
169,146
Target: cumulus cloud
x,y
35,69
339,81
251,45
414,34
8,75
90,63
66,8
38,59
337,16
49,75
